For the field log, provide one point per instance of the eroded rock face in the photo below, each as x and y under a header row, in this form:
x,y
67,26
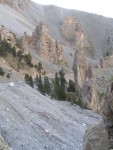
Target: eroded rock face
x,y
71,30
85,83
107,112
17,4
24,43
45,46
96,138
79,68
8,36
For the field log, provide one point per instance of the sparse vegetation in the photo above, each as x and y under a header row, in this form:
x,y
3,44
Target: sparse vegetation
x,y
2,71
29,80
71,86
8,75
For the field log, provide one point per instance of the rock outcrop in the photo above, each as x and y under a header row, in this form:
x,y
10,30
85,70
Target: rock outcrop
x,y
8,36
3,145
45,46
24,43
96,138
17,4
89,91
85,83
107,112
79,68
72,32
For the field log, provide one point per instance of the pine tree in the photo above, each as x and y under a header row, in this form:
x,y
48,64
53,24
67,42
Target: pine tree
x,y
29,60
56,86
39,67
20,55
31,83
40,85
47,85
71,86
29,80
26,78
62,94
14,51
36,80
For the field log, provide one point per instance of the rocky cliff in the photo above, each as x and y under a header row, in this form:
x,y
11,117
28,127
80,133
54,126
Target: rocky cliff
x,y
45,45
8,36
107,112
17,4
72,32
85,83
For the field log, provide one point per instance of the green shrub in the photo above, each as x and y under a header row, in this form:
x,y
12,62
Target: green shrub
x,y
2,71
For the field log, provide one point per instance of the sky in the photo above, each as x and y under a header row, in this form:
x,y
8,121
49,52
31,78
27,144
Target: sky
x,y
101,7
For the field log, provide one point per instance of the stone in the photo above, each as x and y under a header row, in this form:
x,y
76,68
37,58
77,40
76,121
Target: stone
x,y
8,36
45,46
85,83
17,4
79,69
24,43
107,112
96,138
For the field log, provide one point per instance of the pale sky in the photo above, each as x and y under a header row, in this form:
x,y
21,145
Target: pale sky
x,y
101,7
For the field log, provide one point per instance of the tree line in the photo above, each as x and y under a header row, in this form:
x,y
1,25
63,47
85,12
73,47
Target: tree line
x,y
56,88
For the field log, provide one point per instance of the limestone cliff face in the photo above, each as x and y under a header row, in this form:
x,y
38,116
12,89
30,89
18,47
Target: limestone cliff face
x,y
85,83
8,36
79,68
24,43
107,112
89,91
40,41
72,31
45,46
70,28
17,4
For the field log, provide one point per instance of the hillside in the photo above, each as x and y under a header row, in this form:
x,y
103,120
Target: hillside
x,y
29,120
80,45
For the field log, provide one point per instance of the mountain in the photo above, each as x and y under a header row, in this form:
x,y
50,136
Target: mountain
x,y
82,44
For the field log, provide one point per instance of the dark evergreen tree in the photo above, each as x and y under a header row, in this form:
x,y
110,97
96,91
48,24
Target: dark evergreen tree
x,y
47,85
28,60
20,55
56,86
62,80
31,83
36,80
39,67
14,51
40,85
71,86
2,71
26,78
8,76
29,80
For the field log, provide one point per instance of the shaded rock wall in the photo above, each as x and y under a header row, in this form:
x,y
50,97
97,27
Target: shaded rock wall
x,y
96,138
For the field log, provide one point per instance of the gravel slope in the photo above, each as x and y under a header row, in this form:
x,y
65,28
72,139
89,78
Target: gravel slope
x,y
30,121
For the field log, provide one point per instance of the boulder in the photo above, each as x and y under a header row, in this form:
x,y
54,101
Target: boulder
x,y
96,138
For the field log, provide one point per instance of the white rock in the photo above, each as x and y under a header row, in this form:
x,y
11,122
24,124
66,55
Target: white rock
x,y
11,84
